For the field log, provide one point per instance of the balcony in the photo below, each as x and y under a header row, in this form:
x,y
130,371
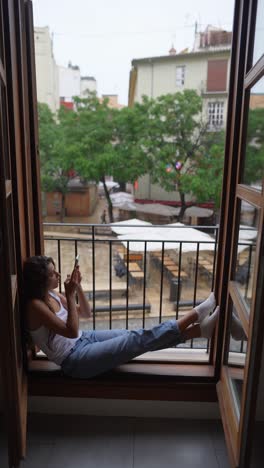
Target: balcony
x,y
142,278
206,93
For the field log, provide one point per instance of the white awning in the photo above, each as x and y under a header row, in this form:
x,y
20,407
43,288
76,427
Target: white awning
x,y
170,236
131,226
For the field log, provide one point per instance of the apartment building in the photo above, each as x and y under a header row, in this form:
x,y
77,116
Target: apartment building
x,y
46,69
88,83
71,84
56,85
205,69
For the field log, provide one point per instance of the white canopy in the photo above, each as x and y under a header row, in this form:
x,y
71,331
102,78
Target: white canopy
x,y
171,235
198,212
152,208
109,184
120,198
162,210
131,226
247,233
157,208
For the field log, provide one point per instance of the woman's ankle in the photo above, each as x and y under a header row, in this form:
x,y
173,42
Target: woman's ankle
x,y
193,331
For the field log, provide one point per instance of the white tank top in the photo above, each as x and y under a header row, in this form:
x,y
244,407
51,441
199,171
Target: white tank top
x,y
56,347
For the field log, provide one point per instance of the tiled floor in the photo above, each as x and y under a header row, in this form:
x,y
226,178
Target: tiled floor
x,y
107,442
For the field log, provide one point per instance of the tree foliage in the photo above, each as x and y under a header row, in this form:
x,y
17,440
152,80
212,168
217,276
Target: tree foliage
x,y
166,137
254,154
174,143
55,161
102,141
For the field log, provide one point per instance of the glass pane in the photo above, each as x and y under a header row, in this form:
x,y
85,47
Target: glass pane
x,y
254,156
259,36
246,249
236,358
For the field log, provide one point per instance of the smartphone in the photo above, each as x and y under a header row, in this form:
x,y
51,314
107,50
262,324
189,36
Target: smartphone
x,y
76,262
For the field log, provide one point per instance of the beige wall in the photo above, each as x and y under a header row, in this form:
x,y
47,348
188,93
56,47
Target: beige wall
x,y
93,191
256,101
149,191
158,77
77,203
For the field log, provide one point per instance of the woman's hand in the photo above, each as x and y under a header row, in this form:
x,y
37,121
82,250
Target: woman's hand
x,y
79,278
72,282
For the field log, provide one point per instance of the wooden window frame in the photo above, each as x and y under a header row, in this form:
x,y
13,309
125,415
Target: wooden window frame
x,y
240,429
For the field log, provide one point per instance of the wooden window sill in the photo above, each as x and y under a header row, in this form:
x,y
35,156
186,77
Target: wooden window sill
x,y
135,380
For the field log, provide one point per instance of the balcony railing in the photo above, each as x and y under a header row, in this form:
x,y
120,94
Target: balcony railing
x,y
139,281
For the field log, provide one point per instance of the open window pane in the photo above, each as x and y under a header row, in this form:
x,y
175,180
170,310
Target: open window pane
x,y
246,250
254,153
236,358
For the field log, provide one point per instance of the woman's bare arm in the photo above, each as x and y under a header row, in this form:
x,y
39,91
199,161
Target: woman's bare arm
x,y
70,286
84,306
39,312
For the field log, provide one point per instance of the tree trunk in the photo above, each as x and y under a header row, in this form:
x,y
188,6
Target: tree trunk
x,y
109,202
122,186
184,206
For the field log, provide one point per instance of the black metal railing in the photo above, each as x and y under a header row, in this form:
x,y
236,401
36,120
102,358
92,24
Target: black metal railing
x,y
137,282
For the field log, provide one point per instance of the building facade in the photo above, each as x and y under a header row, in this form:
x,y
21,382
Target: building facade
x,y
57,85
46,69
205,69
88,84
72,84
69,82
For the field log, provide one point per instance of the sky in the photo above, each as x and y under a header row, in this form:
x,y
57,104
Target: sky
x,y
102,37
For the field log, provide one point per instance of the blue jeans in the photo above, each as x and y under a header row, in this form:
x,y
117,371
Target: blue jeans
x,y
99,351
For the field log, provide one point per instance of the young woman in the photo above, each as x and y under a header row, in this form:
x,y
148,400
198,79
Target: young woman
x,y
53,323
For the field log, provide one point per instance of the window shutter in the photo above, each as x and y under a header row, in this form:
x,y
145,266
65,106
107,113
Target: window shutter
x,y
217,75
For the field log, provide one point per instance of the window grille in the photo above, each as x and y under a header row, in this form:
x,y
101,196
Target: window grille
x,y
216,114
180,76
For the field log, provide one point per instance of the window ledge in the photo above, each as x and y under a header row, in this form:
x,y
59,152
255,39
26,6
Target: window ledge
x,y
135,380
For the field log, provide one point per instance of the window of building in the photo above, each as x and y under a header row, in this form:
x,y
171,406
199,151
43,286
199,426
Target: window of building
x,y
216,114
180,75
217,75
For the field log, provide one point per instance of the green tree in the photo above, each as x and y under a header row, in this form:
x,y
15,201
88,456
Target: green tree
x,y
47,132
88,133
55,161
254,157
205,182
102,142
173,141
130,160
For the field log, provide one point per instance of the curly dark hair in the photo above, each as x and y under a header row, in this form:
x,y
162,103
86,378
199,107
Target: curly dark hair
x,y
35,277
